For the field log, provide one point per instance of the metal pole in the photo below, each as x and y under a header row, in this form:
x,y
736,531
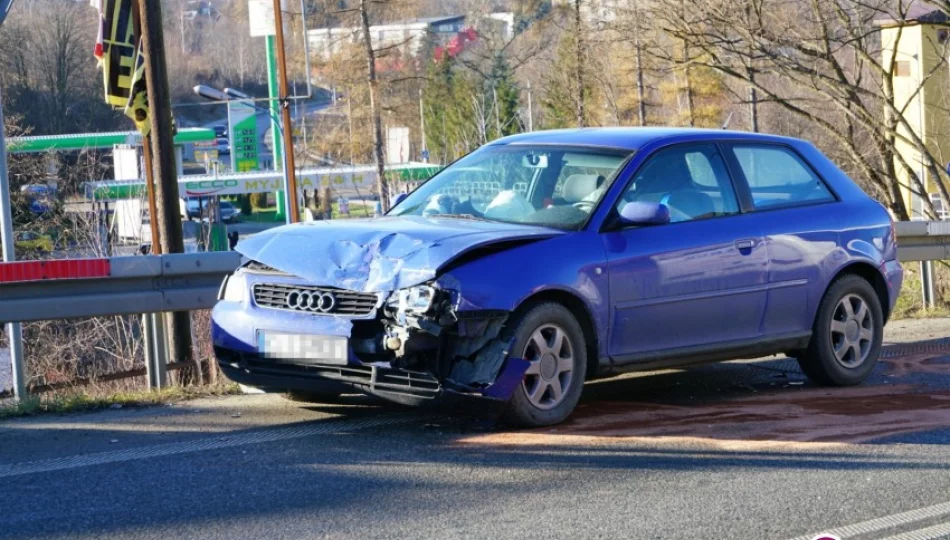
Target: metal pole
x,y
149,340
422,124
927,284
291,173
276,142
159,377
14,332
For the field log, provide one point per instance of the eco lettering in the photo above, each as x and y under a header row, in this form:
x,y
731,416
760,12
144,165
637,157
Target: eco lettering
x,y
208,187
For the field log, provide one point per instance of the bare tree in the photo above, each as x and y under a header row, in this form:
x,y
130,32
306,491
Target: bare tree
x,y
821,60
374,103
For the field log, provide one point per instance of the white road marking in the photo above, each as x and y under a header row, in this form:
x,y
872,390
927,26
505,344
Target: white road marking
x,y
886,522
930,533
211,443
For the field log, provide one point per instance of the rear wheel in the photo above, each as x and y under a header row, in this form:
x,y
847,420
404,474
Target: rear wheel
x,y
847,336
551,339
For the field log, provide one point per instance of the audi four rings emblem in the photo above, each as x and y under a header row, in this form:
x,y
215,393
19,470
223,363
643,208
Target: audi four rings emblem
x,y
323,302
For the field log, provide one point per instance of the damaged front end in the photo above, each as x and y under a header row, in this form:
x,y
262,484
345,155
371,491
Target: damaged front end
x,y
412,346
467,351
408,337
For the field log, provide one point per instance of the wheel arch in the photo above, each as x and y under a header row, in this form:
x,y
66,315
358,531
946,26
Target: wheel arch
x,y
872,275
581,312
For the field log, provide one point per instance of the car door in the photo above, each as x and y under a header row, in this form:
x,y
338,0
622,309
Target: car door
x,y
790,202
696,282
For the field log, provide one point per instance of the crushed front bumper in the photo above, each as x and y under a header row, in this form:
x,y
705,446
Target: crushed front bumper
x,y
406,387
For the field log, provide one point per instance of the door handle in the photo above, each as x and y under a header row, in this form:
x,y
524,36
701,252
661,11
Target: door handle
x,y
745,245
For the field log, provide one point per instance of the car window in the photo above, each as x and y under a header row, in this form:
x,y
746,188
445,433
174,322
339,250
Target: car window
x,y
547,185
692,180
778,177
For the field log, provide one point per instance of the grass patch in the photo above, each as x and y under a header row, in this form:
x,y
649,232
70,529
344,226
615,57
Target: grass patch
x,y
910,303
61,403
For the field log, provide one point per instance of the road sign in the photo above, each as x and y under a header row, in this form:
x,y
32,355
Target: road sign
x,y
261,15
206,151
242,121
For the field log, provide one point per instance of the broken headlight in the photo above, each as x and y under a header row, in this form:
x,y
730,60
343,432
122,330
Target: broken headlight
x,y
233,289
414,300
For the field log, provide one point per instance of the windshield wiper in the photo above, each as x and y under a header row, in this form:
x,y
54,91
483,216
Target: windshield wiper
x,y
458,216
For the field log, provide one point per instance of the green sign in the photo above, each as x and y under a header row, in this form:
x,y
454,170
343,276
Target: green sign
x,y
242,120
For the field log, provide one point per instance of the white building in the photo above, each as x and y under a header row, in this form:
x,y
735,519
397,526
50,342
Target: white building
x,y
407,36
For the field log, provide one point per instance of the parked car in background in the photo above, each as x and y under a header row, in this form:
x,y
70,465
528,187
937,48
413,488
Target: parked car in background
x,y
229,212
224,145
557,257
33,241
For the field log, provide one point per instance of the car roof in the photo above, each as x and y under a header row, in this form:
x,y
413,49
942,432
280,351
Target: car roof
x,y
633,138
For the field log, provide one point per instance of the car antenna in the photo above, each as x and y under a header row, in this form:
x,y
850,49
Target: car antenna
x,y
728,119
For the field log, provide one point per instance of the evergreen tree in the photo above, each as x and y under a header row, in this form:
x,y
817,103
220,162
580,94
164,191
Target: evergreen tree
x,y
505,97
451,126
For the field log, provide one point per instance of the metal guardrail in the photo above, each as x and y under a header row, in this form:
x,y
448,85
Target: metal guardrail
x,y
129,285
923,240
42,290
63,289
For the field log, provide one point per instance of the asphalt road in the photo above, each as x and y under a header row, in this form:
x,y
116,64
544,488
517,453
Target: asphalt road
x,y
736,450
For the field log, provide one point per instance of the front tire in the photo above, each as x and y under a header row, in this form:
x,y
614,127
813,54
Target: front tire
x,y
847,336
549,337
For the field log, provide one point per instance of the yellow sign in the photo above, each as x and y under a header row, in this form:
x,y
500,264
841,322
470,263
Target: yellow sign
x,y
123,62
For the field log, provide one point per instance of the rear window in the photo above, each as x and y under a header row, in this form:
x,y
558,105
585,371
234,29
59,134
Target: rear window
x,y
779,177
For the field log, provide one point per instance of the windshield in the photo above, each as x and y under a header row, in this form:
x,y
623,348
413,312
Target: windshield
x,y
550,186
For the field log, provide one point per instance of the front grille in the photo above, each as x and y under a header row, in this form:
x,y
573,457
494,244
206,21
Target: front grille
x,y
309,299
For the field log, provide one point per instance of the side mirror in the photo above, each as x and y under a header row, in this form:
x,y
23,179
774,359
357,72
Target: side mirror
x,y
399,198
644,213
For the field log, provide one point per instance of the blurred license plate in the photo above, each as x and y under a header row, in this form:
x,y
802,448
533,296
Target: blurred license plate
x,y
316,349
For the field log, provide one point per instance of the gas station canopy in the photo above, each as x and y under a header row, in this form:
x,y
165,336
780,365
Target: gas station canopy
x,y
352,177
84,141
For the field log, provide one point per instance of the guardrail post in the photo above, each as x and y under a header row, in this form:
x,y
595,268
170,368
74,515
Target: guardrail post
x,y
156,350
15,338
149,340
927,284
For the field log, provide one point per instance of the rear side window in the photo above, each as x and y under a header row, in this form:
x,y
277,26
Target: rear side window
x,y
778,177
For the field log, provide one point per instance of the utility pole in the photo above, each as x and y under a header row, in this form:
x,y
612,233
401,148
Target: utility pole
x,y
530,109
291,194
422,126
164,167
149,173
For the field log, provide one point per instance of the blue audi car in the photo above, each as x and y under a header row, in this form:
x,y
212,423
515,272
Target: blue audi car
x,y
544,260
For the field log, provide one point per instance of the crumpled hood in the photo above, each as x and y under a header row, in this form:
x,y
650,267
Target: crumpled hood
x,y
381,254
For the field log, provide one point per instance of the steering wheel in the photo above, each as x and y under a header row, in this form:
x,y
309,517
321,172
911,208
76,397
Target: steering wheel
x,y
584,206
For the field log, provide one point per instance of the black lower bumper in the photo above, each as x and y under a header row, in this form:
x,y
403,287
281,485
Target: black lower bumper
x,y
411,388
